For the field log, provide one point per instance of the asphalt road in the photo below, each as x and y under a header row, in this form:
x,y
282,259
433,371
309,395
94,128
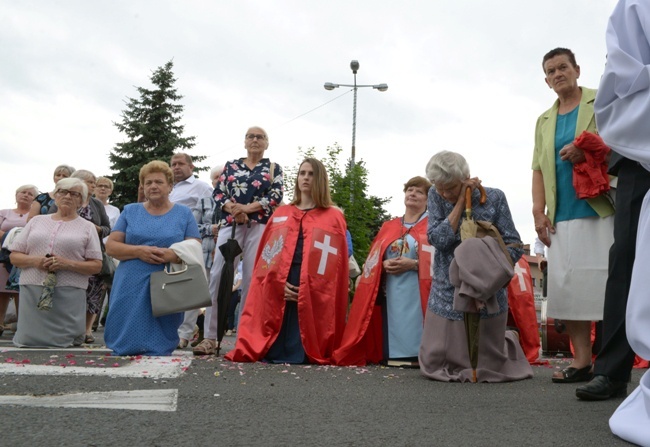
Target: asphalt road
x,y
209,401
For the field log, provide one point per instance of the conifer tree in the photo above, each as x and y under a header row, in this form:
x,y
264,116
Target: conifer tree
x,y
151,124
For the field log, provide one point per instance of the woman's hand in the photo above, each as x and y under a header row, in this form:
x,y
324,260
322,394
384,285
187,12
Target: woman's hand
x,y
399,265
543,228
239,212
290,293
55,264
45,263
156,255
572,153
472,183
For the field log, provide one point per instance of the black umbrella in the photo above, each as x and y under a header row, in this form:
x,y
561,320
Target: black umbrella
x,y
230,250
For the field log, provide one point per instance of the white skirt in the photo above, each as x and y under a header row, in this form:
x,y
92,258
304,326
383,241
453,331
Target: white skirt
x,y
577,268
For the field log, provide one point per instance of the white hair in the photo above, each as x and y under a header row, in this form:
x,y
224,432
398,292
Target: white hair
x,y
446,167
216,172
26,188
72,182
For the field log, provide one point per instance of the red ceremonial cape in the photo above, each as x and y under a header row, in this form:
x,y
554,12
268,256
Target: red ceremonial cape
x,y
323,290
521,304
363,339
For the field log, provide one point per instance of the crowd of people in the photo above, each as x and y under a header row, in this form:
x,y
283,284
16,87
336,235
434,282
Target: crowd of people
x,y
432,292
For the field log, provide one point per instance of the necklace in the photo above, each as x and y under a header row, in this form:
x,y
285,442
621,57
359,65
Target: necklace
x,y
406,231
416,220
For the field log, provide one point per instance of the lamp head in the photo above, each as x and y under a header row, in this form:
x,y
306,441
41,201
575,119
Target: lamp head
x,y
354,65
330,86
381,87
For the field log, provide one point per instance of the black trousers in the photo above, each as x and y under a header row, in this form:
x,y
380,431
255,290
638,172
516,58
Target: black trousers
x,y
616,358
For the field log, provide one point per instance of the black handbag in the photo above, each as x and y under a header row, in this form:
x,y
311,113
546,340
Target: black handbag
x,y
108,267
178,291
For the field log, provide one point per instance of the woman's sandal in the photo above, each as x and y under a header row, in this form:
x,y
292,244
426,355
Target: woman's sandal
x,y
573,375
206,347
88,339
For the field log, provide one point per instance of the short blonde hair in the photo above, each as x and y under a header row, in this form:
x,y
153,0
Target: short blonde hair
x,y
105,180
26,187
84,174
69,170
156,166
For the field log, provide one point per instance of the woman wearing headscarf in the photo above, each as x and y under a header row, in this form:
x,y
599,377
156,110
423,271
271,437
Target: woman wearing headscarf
x,y
444,353
577,232
387,313
299,291
9,219
65,246
249,190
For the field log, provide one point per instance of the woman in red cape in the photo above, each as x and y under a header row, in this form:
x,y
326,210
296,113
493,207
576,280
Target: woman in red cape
x,y
297,300
385,322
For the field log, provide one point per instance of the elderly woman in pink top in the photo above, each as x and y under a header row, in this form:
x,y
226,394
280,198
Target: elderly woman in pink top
x,y
9,219
67,245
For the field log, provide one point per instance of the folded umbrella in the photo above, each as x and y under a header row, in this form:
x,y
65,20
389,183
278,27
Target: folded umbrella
x,y
230,250
45,301
468,229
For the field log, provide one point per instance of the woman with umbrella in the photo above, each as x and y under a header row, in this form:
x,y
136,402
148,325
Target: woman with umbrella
x,y
65,245
248,191
295,312
444,354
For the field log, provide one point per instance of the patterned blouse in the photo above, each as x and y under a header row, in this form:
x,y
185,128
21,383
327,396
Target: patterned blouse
x,y
445,241
238,184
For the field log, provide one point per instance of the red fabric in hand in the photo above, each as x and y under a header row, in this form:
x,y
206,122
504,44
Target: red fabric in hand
x,y
590,177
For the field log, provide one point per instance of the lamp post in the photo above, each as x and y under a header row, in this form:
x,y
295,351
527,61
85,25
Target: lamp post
x,y
354,65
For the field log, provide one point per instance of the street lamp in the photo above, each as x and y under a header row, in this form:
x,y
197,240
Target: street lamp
x,y
354,65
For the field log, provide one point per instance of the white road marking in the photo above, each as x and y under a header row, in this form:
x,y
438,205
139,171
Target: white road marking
x,y
150,367
145,400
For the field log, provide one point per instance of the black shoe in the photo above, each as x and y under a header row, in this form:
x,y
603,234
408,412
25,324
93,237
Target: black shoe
x,y
601,388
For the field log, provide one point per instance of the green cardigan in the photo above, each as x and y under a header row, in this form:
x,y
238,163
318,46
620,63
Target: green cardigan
x,y
544,154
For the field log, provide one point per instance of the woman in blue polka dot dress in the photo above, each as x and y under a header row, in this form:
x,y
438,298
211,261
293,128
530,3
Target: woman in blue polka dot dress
x,y
140,240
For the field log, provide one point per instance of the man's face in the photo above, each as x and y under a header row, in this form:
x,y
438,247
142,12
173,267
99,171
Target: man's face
x,y
181,168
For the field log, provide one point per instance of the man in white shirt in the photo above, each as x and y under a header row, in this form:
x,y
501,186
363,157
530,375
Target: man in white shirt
x,y
188,190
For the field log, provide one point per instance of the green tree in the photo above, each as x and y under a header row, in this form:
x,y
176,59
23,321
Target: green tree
x,y
364,213
153,131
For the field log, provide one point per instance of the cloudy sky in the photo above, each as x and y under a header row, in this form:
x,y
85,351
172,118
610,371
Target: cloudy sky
x,y
463,75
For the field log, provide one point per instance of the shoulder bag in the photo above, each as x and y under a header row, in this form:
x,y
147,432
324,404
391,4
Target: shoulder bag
x,y
178,291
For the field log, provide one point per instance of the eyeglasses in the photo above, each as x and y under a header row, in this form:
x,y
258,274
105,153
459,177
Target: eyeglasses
x,y
252,136
65,192
104,186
